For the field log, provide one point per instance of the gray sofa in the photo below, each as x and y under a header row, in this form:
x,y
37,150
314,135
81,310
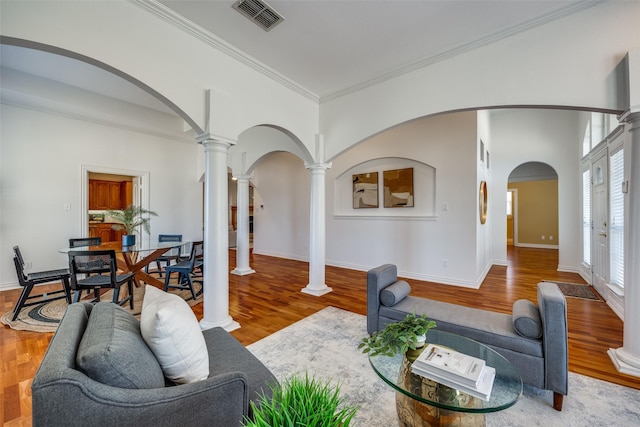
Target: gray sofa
x,y
533,339
128,388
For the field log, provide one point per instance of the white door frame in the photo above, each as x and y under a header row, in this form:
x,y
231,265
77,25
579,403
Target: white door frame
x,y
140,190
600,221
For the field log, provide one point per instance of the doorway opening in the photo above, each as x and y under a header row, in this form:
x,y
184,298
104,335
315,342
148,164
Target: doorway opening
x,y
106,189
533,190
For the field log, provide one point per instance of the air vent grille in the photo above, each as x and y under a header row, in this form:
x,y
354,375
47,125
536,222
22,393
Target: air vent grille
x,y
259,12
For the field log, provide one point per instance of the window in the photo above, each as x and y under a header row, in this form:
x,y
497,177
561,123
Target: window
x,y
616,218
586,217
586,141
509,203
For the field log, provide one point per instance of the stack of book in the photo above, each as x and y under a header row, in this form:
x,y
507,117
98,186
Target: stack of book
x,y
456,370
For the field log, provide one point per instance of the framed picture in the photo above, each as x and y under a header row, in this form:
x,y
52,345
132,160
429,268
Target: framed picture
x,y
398,188
365,190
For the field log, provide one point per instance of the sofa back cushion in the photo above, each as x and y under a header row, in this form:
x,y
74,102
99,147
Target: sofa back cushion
x,y
113,352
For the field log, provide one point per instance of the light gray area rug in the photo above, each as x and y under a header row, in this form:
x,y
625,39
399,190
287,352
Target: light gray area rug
x,y
325,344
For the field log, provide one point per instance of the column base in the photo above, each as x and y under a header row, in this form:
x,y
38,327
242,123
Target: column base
x,y
621,360
316,291
228,324
242,272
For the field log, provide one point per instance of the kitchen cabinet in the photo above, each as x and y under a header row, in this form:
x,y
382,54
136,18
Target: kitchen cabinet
x,y
112,195
105,232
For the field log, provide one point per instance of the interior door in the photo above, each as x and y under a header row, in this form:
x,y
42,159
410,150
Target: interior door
x,y
600,209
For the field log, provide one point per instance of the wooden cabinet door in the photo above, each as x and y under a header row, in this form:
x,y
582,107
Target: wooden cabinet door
x,y
127,194
101,192
92,195
115,199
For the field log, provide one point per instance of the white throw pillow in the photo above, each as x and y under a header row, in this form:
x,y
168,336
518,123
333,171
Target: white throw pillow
x,y
173,334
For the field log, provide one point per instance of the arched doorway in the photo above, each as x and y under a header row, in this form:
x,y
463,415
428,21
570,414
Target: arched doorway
x,y
532,206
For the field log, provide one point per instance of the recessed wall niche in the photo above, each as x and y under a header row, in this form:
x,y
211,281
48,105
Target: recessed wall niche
x,y
423,194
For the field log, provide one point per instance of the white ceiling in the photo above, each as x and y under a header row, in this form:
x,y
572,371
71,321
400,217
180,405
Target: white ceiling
x,y
325,47
330,46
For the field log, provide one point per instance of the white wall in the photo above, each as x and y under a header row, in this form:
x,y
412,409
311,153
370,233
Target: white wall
x,y
418,245
40,171
281,201
553,137
568,62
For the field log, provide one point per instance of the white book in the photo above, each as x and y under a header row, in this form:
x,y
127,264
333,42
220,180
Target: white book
x,y
448,363
482,390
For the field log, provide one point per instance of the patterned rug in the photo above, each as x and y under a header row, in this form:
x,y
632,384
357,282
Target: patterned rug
x,y
577,290
325,345
46,316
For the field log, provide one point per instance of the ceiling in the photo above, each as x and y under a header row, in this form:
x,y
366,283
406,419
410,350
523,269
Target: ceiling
x,y
325,48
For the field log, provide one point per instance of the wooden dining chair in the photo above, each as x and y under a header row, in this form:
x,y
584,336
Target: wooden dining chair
x,y
28,281
186,270
100,271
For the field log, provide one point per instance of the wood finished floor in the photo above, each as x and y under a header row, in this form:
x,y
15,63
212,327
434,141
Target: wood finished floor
x,y
270,300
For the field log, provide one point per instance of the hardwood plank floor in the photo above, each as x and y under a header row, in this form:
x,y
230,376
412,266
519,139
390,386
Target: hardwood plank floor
x,y
270,300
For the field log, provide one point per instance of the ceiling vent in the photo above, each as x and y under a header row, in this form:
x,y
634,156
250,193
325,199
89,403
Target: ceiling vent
x,y
259,12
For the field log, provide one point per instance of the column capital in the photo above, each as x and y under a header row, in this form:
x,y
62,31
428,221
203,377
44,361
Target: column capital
x,y
207,138
631,116
318,166
243,177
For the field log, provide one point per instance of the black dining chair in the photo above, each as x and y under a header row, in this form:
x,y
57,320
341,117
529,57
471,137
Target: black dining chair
x,y
100,271
85,241
170,255
28,281
187,270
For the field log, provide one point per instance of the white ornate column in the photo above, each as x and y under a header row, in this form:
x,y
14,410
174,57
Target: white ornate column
x,y
242,235
216,236
317,226
627,358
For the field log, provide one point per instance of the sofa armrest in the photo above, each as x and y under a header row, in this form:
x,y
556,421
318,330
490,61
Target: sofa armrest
x,y
377,279
553,313
76,400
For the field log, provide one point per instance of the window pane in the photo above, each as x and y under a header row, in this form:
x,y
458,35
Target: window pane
x,y
616,229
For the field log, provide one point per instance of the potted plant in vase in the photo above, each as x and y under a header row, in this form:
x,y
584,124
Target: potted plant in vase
x,y
301,402
406,336
129,220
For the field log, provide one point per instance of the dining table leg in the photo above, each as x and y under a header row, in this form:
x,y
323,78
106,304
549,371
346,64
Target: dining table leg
x,y
130,263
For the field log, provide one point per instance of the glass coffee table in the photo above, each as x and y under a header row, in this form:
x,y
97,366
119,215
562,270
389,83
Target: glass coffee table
x,y
421,401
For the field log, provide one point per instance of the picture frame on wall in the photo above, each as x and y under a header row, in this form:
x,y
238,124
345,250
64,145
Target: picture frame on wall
x,y
365,190
398,188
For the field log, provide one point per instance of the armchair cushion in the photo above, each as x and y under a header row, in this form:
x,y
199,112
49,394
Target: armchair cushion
x,y
112,351
393,294
171,330
526,319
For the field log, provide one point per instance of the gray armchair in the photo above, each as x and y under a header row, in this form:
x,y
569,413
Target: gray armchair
x,y
64,395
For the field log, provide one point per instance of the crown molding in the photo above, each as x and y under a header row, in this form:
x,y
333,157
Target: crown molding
x,y
467,47
197,31
217,43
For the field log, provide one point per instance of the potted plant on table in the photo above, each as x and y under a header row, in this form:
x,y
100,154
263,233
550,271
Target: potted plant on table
x,y
404,336
129,220
302,402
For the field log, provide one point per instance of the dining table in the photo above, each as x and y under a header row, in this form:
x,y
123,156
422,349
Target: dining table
x,y
134,258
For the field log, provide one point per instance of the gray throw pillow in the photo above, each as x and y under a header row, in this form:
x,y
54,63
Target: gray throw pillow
x,y
394,293
526,319
113,352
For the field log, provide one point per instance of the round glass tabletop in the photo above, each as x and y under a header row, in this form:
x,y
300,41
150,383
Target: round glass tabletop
x,y
396,371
